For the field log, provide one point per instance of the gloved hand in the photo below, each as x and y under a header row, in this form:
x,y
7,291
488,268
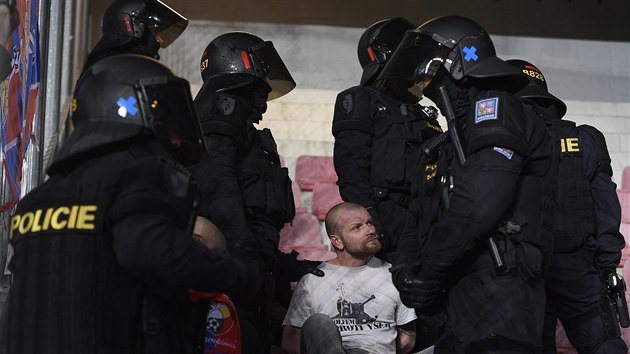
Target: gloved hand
x,y
420,290
288,268
253,267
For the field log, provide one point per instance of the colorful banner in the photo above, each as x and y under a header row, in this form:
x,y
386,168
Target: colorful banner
x,y
19,95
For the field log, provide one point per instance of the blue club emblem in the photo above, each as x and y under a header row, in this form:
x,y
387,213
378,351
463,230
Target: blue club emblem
x,y
127,106
471,53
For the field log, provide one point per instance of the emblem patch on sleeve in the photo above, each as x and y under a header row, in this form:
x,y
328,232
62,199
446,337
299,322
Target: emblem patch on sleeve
x,y
347,103
487,109
505,152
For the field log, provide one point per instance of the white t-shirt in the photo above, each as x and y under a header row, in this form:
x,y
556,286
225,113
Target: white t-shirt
x,y
362,301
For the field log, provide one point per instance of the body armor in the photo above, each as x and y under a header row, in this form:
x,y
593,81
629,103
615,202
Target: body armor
x,y
62,236
575,212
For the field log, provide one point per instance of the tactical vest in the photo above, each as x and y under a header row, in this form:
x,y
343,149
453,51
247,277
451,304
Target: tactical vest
x,y
574,209
265,184
398,132
69,294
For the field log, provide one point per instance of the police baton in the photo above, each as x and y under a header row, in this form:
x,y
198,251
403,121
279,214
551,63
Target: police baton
x,y
449,113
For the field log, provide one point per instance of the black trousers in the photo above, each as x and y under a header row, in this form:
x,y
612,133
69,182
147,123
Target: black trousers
x,y
574,290
489,313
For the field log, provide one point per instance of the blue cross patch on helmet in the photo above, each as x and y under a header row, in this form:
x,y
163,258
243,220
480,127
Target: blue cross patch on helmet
x,y
127,105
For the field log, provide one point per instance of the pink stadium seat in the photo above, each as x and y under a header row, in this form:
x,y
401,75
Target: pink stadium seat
x,y
624,228
297,197
625,178
325,196
624,200
310,170
303,233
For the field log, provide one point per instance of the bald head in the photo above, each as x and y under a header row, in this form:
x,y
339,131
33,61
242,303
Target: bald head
x,y
208,234
333,221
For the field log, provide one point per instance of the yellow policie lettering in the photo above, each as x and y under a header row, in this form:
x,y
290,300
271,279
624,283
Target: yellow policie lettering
x,y
79,217
570,145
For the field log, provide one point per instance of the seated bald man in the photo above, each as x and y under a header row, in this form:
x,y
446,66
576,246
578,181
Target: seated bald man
x,y
354,307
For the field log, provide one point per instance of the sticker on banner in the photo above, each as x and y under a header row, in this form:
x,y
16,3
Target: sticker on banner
x,y
505,152
486,109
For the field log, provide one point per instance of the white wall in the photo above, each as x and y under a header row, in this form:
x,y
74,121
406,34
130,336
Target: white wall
x,y
592,77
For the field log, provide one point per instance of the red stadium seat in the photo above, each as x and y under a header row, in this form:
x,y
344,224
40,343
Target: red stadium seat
x,y
297,197
624,200
625,178
303,233
325,196
309,170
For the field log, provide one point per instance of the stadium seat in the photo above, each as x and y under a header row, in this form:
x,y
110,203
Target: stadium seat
x,y
302,233
624,228
309,170
297,197
325,196
625,178
562,342
624,201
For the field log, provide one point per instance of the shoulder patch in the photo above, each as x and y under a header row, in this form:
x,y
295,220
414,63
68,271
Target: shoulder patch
x,y
508,153
226,105
347,103
486,109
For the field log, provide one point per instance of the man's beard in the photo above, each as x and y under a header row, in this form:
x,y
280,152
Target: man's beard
x,y
365,250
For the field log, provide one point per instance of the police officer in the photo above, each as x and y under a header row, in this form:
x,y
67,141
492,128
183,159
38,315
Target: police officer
x,y
243,187
587,242
104,255
378,132
484,194
137,27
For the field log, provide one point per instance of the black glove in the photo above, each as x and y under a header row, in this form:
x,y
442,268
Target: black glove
x,y
248,252
288,268
421,291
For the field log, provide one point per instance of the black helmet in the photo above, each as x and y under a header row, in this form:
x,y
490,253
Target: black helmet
x,y
236,59
537,87
126,21
456,43
125,95
378,43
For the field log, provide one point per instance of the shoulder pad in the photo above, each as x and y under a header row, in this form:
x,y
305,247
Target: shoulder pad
x,y
353,110
221,113
496,118
603,157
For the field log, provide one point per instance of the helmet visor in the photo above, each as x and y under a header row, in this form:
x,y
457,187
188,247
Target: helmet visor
x,y
271,69
164,23
417,58
167,106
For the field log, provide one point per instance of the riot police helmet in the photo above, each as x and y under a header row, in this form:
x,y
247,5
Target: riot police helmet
x,y
237,59
126,22
377,43
127,95
455,44
536,89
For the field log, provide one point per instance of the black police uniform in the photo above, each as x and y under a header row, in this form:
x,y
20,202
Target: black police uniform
x,y
377,146
587,245
508,154
104,255
587,242
245,191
